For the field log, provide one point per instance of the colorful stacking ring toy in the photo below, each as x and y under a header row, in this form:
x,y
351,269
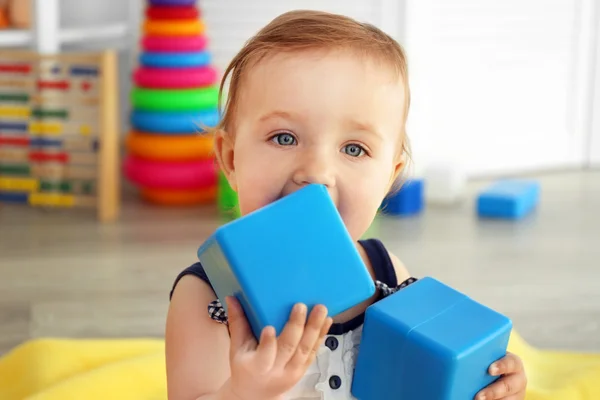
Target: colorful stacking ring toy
x,y
175,60
183,175
175,78
179,44
172,2
174,100
169,147
173,28
175,123
170,13
179,197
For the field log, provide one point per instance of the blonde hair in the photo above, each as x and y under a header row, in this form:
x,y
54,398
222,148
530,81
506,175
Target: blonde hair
x,y
304,30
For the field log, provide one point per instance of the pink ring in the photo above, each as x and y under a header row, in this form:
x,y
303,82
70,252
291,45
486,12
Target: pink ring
x,y
171,175
175,78
175,44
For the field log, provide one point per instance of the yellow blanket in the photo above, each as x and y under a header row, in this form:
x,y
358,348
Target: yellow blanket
x,y
134,369
53,369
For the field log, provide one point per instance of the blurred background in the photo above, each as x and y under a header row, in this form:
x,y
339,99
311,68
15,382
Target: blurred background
x,y
500,89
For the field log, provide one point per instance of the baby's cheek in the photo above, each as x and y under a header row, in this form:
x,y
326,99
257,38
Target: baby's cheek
x,y
255,192
358,213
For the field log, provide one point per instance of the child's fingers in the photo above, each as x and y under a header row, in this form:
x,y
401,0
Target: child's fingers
x,y
324,330
311,335
503,388
290,335
266,350
239,329
509,364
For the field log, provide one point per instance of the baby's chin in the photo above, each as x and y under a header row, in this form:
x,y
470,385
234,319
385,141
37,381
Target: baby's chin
x,y
355,234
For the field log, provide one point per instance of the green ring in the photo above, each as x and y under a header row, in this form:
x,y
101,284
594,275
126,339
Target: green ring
x,y
174,100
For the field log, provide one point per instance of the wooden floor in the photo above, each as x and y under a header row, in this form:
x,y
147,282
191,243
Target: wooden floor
x,y
62,274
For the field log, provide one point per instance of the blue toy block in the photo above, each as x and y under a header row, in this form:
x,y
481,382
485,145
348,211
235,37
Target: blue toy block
x,y
296,249
428,342
509,199
407,201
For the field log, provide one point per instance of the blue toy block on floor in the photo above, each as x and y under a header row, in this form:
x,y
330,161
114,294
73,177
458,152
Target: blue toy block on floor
x,y
428,342
509,199
296,249
407,201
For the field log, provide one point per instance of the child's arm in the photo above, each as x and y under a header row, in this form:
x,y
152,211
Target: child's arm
x,y
203,362
197,348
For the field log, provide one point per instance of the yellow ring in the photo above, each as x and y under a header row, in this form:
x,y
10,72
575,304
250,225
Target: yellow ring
x,y
173,28
179,197
169,147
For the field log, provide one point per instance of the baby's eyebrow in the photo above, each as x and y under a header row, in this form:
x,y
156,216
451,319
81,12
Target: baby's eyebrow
x,y
356,125
278,114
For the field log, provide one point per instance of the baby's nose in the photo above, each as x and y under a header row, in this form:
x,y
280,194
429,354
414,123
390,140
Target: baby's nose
x,y
315,169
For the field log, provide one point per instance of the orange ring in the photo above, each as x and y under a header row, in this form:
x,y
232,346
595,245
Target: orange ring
x,y
169,147
174,28
179,197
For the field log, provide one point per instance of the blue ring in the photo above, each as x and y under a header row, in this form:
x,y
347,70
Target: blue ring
x,y
174,60
174,122
173,2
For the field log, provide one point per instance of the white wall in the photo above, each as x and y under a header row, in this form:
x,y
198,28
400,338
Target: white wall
x,y
594,142
78,13
95,13
495,84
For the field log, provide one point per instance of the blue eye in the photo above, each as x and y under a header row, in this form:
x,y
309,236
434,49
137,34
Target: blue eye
x,y
354,150
284,139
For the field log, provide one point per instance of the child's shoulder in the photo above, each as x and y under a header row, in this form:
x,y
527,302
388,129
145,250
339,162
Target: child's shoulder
x,y
387,266
196,270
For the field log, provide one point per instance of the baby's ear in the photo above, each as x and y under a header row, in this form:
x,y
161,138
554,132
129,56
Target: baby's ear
x,y
398,168
225,155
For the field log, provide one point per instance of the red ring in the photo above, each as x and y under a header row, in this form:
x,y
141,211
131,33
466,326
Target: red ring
x,y
180,175
176,44
181,12
175,78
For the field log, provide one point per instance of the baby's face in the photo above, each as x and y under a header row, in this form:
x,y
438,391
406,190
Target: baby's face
x,y
319,117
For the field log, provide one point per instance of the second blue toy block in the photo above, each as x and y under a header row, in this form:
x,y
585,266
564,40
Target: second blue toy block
x,y
509,199
296,249
407,201
428,342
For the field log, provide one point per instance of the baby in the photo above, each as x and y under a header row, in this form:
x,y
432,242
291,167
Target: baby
x,y
313,98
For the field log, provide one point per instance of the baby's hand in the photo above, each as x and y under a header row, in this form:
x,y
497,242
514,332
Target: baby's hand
x,y
270,368
512,384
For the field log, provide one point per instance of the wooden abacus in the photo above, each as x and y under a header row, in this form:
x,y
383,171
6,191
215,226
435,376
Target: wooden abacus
x,y
59,130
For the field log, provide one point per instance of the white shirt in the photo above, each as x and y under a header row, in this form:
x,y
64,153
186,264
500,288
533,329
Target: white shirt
x,y
338,363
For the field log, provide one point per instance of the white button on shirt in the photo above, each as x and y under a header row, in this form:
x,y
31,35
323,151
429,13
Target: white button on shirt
x,y
340,362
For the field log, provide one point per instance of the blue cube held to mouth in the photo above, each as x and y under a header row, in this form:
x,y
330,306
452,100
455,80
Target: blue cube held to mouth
x,y
428,342
294,250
